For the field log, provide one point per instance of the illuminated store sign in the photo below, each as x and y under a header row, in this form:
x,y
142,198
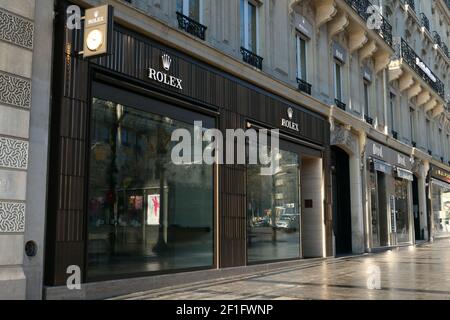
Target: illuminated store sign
x,y
98,31
163,77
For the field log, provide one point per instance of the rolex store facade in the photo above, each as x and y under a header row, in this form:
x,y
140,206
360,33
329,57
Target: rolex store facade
x,y
129,218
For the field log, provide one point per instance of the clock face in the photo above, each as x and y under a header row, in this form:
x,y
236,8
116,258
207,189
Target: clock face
x,y
94,40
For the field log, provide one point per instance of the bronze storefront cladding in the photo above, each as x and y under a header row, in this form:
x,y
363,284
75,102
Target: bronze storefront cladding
x,y
232,102
390,200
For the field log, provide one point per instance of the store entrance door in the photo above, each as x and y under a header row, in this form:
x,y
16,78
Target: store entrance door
x,y
419,232
342,223
383,208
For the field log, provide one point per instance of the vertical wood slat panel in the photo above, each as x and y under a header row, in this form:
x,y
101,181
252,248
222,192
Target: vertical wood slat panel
x,y
237,102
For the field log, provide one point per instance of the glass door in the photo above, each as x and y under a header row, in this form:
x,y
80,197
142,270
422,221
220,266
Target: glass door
x,y
273,209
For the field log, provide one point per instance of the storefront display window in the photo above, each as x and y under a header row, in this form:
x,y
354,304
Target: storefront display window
x,y
145,214
273,213
374,209
441,208
402,211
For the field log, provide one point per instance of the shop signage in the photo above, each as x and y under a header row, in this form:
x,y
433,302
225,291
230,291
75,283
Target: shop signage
x,y
425,69
98,29
382,167
391,156
405,174
339,52
377,150
440,174
303,26
163,77
288,123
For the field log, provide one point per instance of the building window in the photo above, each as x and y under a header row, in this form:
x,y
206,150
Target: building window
x,y
412,125
144,213
401,211
301,58
249,25
429,138
190,8
366,99
391,111
338,81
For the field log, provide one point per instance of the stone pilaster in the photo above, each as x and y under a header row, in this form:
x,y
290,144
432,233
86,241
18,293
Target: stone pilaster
x,y
16,47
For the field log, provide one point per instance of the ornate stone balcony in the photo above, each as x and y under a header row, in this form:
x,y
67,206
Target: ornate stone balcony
x,y
362,8
425,21
416,79
417,64
411,4
191,26
251,58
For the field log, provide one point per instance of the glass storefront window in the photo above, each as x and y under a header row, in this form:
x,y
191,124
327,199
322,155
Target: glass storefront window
x,y
273,213
441,210
145,214
401,211
374,208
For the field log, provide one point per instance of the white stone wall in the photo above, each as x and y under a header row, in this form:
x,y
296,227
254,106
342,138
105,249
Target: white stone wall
x,y
16,47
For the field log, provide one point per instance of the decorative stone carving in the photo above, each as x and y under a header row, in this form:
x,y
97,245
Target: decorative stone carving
x,y
15,91
13,153
16,30
341,136
12,217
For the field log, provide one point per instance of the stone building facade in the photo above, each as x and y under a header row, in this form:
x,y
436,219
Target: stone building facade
x,y
377,72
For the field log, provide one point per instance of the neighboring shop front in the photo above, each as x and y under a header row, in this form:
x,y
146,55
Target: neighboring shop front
x,y
389,178
440,202
120,208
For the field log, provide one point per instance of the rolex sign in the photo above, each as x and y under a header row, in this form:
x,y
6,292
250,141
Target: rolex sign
x,y
98,29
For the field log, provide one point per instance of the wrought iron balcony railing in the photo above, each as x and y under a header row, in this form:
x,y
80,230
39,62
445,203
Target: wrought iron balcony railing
x,y
437,38
445,49
191,26
251,58
411,4
405,52
368,119
304,86
361,7
425,21
340,104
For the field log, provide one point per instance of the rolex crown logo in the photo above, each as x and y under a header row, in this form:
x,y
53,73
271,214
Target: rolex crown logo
x,y
96,14
167,61
290,113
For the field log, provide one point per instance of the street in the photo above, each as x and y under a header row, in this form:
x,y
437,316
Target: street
x,y
420,272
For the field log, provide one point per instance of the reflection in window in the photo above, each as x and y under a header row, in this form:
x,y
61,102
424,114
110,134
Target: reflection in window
x,y
374,208
190,8
145,214
301,58
402,212
441,210
249,25
273,214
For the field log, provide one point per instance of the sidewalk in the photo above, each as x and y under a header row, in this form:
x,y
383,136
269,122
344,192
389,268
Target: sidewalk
x,y
421,272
